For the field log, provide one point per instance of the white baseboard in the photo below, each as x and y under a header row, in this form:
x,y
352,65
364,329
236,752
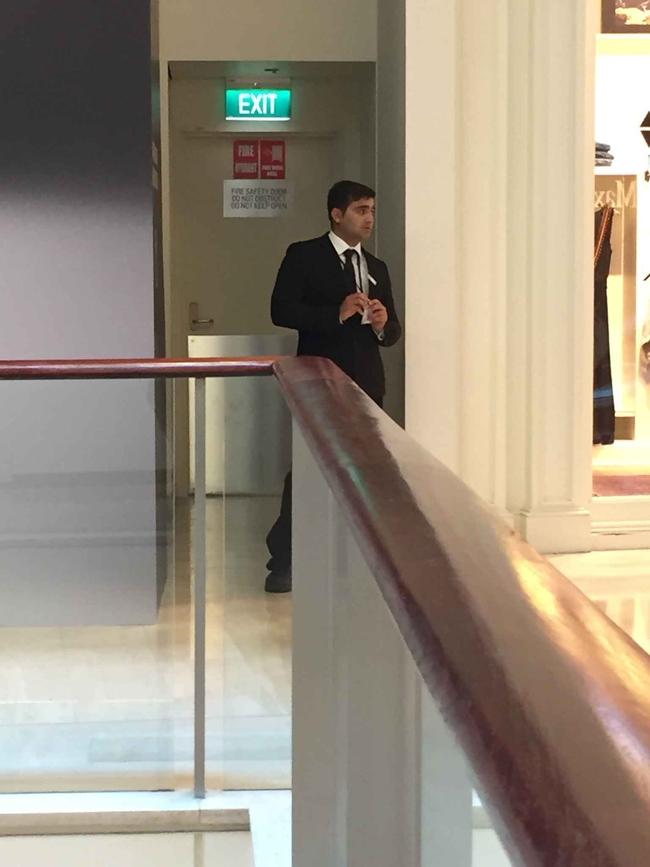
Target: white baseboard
x,y
117,813
556,531
124,822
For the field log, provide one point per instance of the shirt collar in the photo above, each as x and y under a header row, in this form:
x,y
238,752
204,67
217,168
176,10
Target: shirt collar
x,y
340,246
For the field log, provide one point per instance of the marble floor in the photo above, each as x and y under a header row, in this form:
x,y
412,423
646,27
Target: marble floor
x,y
268,844
618,582
231,849
270,836
175,850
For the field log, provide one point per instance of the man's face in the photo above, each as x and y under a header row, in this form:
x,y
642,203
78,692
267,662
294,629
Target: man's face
x,y
356,223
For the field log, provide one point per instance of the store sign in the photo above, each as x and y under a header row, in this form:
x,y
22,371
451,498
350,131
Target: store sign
x,y
264,198
272,159
616,192
258,104
645,129
245,158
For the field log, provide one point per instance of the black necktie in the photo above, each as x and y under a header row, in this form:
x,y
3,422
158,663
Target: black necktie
x,y
348,269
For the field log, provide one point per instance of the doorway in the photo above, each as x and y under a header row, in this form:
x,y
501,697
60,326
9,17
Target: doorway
x,y
222,271
222,268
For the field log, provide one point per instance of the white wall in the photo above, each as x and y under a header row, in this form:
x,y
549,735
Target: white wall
x,y
229,265
282,30
290,30
219,30
432,286
77,478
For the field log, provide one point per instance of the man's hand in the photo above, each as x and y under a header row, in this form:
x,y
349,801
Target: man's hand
x,y
377,314
353,304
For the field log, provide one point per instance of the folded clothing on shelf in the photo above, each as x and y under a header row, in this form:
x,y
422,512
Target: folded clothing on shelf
x,y
604,156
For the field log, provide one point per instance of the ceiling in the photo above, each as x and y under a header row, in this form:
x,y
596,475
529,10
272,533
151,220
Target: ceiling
x,y
249,69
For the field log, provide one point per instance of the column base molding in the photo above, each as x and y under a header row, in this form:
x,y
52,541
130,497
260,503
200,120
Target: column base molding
x,y
560,531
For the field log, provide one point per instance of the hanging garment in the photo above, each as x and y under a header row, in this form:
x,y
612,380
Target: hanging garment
x,y
604,415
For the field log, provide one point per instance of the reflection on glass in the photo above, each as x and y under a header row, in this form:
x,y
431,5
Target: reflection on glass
x,y
88,645
256,641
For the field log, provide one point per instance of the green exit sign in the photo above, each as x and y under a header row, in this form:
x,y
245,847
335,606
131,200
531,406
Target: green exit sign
x,y
258,104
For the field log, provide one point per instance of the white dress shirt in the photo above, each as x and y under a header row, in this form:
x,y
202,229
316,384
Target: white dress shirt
x,y
358,262
361,277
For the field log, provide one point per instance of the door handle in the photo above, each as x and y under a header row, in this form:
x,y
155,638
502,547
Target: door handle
x,y
195,319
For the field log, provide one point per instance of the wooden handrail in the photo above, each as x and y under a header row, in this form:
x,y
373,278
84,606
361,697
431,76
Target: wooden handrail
x,y
548,698
137,368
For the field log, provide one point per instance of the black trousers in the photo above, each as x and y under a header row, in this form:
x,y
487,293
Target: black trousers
x,y
278,539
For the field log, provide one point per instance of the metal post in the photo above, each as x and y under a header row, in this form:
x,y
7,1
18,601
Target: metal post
x,y
198,542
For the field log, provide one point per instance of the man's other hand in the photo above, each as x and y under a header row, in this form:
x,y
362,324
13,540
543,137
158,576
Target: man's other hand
x,y
353,304
377,314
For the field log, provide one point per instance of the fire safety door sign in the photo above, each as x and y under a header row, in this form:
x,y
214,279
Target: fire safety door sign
x,y
272,160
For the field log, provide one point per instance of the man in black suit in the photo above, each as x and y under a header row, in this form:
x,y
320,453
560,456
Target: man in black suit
x,y
339,299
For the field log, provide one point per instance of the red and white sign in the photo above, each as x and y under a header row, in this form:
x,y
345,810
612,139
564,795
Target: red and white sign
x,y
246,158
272,159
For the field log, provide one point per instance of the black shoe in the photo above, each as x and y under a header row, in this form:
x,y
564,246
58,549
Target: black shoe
x,y
278,582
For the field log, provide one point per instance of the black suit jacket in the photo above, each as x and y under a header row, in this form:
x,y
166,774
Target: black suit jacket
x,y
307,296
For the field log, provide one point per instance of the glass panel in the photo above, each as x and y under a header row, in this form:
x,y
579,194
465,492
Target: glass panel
x,y
256,642
487,850
92,652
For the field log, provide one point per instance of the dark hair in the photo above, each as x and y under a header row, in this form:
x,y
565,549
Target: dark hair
x,y
343,193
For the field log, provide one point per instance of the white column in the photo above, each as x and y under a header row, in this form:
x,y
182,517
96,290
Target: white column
x,y
550,280
432,318
456,244
499,227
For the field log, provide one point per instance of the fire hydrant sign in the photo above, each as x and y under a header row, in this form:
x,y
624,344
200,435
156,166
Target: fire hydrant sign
x,y
272,159
245,158
255,158
263,198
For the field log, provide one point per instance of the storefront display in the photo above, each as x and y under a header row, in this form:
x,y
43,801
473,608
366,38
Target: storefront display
x,y
621,457
626,16
604,415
